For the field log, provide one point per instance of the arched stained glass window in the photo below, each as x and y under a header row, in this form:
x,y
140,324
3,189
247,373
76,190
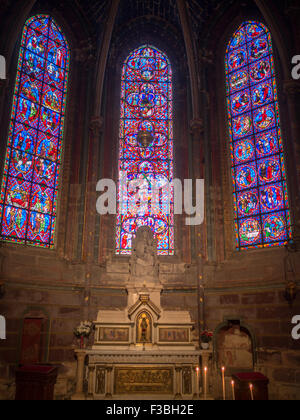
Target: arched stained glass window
x,y
146,111
32,164
259,177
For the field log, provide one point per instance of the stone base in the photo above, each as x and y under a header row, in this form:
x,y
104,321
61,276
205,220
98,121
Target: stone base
x,y
78,397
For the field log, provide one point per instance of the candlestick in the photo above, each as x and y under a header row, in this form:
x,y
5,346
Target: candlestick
x,y
251,392
205,383
233,390
223,383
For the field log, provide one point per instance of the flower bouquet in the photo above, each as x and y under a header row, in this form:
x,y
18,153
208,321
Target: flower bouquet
x,y
206,337
83,330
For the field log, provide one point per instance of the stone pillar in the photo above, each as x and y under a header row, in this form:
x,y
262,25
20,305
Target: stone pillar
x,y
292,10
2,288
3,85
109,382
91,383
205,356
178,382
79,394
88,247
292,94
96,126
197,132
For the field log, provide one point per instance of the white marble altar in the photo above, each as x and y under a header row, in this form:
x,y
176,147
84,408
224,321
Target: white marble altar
x,y
144,352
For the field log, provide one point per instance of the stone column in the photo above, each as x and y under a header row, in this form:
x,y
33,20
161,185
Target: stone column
x,y
292,10
205,356
3,85
109,382
292,94
79,394
96,126
197,132
91,384
178,384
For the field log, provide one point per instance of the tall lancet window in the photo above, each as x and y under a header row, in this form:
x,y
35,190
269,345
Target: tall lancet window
x,y
146,150
262,216
32,164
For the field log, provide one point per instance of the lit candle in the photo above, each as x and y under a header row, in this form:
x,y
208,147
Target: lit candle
x,y
233,390
197,384
251,391
223,383
205,382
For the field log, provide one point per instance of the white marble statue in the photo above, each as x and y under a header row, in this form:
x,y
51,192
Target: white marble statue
x,y
144,262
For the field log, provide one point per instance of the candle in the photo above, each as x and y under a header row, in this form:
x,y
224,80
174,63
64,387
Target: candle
x,y
251,392
233,390
223,383
205,382
197,384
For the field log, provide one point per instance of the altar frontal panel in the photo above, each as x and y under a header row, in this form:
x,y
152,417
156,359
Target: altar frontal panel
x,y
143,380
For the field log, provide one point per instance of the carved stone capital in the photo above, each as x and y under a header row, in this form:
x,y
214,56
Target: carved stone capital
x,y
85,54
197,127
96,126
206,56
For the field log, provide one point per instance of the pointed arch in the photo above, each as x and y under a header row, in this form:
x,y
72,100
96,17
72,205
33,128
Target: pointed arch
x,y
146,109
262,216
28,206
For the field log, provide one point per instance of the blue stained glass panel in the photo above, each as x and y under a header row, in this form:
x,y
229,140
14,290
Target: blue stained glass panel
x,y
32,166
146,106
262,216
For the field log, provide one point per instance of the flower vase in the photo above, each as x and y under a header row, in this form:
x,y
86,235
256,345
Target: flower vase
x,y
82,344
205,346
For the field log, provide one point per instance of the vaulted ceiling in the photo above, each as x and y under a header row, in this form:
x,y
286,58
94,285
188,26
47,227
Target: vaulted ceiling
x,y
200,11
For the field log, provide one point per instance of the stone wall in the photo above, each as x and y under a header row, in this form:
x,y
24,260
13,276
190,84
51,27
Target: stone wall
x,y
36,283
262,307
72,283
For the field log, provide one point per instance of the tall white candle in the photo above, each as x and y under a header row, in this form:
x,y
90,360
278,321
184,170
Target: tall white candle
x,y
233,390
223,383
251,392
197,381
205,383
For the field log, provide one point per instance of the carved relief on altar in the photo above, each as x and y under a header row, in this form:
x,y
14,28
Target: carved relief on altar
x,y
113,335
187,388
144,328
143,381
174,335
100,381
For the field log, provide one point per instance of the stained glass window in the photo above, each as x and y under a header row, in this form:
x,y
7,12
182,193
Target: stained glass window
x,y
32,164
146,108
262,216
